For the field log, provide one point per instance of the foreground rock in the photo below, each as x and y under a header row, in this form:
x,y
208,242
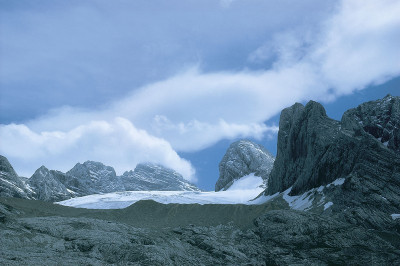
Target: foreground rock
x,y
242,158
40,234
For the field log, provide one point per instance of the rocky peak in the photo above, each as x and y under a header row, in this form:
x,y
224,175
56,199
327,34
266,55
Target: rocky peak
x,y
6,167
314,150
150,176
48,186
242,158
380,118
11,185
95,177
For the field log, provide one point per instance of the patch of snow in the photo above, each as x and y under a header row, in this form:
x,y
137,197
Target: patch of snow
x,y
247,182
386,143
327,205
119,200
263,199
395,216
337,182
320,188
71,191
302,202
12,184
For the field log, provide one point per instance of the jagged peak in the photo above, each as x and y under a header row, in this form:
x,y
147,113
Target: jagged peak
x,y
315,108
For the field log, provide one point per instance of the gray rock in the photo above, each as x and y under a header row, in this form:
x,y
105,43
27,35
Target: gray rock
x,y
380,118
38,233
243,157
11,185
149,176
314,150
94,177
47,185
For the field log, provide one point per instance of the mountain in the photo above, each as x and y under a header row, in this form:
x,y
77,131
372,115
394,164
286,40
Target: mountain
x,y
48,186
333,198
349,168
11,185
87,179
94,177
149,176
242,158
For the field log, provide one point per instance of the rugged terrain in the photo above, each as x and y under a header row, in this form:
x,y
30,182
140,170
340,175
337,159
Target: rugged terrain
x,y
333,198
87,179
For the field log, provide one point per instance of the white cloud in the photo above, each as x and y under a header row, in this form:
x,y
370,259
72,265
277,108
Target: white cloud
x,y
117,143
192,110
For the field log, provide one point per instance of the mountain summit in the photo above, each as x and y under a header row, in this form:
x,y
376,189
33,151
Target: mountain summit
x,y
242,158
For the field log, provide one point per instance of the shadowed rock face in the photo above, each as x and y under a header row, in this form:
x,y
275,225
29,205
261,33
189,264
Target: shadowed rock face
x,y
380,119
243,157
314,150
11,185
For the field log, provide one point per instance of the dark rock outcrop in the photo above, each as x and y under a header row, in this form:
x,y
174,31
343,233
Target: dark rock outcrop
x,y
149,176
380,119
314,150
243,157
11,185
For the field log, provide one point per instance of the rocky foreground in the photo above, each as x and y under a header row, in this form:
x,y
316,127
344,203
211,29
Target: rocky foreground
x,y
333,198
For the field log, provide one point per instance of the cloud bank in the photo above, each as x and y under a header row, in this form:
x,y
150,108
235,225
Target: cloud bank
x,y
117,143
354,48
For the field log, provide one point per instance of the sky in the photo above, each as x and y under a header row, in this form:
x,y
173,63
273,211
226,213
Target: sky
x,y
175,82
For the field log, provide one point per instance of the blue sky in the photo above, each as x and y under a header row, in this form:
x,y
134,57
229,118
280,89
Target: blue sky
x,y
175,82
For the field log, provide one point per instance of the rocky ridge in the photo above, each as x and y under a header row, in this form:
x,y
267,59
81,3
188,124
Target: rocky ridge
x,y
87,179
150,176
242,158
315,151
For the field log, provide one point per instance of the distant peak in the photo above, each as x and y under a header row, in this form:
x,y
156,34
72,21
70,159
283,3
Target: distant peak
x,y
43,168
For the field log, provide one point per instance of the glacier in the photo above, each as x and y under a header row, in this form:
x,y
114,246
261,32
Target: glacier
x,y
242,191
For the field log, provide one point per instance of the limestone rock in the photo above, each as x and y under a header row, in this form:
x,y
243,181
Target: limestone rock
x,y
242,158
149,176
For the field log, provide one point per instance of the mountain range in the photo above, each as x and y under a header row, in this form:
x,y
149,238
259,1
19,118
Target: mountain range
x,y
330,197
87,179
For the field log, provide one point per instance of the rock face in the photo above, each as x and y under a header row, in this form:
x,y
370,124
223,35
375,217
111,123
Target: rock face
x,y
243,157
94,177
11,185
380,119
148,176
314,150
48,186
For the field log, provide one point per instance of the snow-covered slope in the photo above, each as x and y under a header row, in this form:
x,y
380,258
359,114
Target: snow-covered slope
x,y
242,191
